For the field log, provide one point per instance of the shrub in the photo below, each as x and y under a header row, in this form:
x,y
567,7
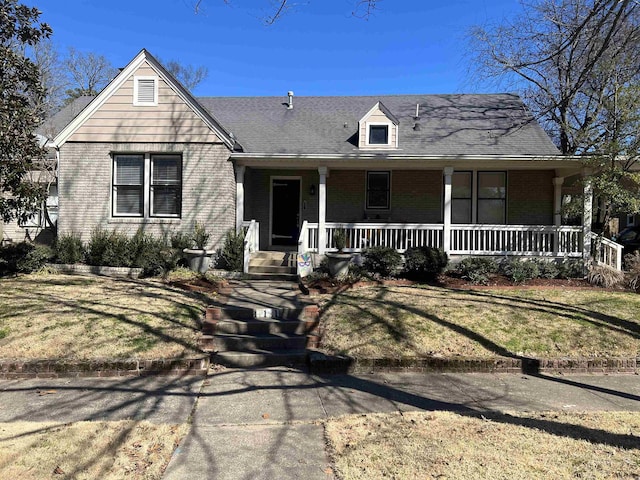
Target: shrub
x,y
425,263
69,248
200,236
632,262
180,241
604,276
151,254
111,249
571,268
232,254
23,257
520,270
383,261
477,270
547,268
340,239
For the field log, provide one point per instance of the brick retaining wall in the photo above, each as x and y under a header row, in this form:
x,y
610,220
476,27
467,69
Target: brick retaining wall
x,y
56,368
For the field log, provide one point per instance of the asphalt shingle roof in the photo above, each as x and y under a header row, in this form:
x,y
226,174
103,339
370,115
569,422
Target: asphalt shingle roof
x,y
466,124
461,124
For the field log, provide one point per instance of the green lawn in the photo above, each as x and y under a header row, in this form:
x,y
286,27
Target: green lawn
x,y
425,320
83,317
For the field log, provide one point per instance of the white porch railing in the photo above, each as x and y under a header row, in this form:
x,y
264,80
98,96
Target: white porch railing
x,y
251,242
516,240
609,253
533,240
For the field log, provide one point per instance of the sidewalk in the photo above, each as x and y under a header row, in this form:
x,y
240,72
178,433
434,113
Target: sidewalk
x,y
259,424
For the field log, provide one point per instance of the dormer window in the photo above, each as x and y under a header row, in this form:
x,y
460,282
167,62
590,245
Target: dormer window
x,y
145,91
378,129
378,135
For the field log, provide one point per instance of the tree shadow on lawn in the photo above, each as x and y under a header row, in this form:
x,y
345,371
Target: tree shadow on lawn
x,y
396,329
182,312
563,310
142,398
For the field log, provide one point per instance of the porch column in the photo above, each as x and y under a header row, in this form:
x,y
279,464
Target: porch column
x,y
322,209
239,196
587,218
446,234
557,200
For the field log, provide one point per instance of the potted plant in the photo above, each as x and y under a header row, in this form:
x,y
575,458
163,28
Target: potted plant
x,y
339,261
198,257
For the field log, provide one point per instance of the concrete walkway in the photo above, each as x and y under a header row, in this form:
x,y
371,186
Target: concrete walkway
x,y
259,424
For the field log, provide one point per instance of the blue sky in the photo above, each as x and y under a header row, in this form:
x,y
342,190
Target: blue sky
x,y
319,48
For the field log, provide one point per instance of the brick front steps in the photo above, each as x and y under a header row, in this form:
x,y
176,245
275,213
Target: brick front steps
x,y
321,363
259,337
57,368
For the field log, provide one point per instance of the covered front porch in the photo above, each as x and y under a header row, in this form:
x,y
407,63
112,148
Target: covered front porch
x,y
499,210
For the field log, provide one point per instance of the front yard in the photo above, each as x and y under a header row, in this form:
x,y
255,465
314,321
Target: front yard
x,y
425,320
87,450
83,317
496,446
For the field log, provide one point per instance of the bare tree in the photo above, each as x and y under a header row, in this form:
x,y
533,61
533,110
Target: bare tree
x,y
88,73
278,8
576,63
188,75
52,77
565,55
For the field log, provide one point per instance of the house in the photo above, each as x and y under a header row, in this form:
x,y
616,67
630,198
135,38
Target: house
x,y
472,174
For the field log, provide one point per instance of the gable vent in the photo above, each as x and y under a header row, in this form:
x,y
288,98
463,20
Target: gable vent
x,y
145,91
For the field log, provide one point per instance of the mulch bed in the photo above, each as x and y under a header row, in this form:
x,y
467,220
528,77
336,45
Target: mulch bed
x,y
327,285
202,285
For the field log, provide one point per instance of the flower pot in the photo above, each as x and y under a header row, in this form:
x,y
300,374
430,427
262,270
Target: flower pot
x,y
339,263
198,260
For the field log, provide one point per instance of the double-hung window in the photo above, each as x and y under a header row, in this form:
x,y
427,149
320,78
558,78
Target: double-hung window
x,y
378,190
461,191
166,181
128,185
479,197
147,185
492,197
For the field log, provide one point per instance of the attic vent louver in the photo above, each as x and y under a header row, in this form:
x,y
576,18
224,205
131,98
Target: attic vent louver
x,y
145,91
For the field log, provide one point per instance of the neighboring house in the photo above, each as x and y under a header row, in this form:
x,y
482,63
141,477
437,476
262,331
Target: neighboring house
x,y
472,174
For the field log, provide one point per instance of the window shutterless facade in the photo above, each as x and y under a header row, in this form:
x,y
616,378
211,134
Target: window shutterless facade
x,y
147,185
166,185
378,190
128,184
488,190
492,197
461,197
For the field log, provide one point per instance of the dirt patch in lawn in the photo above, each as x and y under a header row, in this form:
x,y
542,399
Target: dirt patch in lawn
x,y
87,450
496,446
84,317
384,322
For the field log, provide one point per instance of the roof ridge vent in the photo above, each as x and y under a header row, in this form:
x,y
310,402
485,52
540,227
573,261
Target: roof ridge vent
x,y
290,103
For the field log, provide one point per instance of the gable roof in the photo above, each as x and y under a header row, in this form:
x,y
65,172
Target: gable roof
x,y
380,106
465,124
63,135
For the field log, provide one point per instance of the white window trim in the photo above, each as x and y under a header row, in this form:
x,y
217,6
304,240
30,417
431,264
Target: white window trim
x,y
389,125
149,191
114,190
147,206
136,79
